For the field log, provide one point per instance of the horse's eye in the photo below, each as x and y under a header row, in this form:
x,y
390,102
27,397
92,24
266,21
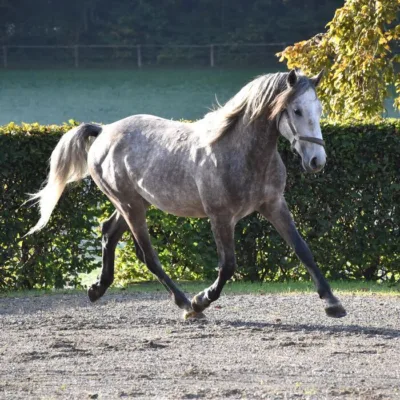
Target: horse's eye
x,y
298,112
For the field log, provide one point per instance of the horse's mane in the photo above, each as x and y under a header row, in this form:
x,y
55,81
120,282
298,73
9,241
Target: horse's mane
x,y
267,95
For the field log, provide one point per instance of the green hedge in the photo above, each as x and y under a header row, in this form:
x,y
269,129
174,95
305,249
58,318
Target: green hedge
x,y
349,215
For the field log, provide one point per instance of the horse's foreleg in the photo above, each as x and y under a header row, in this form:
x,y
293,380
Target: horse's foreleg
x,y
223,230
278,214
112,231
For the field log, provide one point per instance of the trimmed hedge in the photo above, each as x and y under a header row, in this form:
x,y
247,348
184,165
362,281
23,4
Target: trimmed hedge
x,y
349,214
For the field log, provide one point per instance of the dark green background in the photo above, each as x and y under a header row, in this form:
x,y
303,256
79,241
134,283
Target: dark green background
x,y
27,22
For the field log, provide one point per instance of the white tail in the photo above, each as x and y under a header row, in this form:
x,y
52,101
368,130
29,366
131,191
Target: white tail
x,y
68,163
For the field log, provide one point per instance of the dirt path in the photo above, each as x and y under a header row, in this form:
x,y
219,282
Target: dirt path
x,y
137,345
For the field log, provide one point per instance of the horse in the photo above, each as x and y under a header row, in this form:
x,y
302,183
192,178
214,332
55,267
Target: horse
x,y
224,167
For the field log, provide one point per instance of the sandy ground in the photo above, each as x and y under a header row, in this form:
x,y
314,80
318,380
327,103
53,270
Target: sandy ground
x,y
249,347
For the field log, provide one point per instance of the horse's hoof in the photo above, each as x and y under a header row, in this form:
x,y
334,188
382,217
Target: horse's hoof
x,y
193,315
95,292
335,311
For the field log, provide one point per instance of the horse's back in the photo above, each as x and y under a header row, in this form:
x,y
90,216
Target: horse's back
x,y
151,125
151,156
144,134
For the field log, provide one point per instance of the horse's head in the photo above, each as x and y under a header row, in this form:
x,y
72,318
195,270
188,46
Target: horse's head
x,y
299,121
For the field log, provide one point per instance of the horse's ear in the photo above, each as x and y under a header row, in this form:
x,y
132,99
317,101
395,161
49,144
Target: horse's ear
x,y
291,78
317,78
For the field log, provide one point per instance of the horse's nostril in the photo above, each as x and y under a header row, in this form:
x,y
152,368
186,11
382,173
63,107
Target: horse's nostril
x,y
314,163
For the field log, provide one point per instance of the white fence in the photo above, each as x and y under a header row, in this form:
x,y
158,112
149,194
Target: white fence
x,y
138,55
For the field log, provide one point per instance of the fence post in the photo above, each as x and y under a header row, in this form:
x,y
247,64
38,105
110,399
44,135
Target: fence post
x,y
5,61
212,64
139,56
76,55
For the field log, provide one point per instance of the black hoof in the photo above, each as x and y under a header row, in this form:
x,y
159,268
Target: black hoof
x,y
335,311
95,292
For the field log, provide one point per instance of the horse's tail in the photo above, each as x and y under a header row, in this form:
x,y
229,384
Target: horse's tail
x,y
68,163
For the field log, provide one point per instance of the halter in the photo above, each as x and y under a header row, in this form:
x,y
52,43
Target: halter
x,y
296,136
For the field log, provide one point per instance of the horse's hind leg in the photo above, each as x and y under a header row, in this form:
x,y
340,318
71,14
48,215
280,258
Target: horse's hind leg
x,y
112,231
135,216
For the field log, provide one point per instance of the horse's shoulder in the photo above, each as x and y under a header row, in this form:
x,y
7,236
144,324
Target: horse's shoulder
x,y
276,176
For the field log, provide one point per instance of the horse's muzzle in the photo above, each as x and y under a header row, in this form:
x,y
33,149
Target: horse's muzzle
x,y
313,165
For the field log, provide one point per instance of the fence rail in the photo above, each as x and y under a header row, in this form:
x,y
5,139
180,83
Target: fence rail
x,y
15,55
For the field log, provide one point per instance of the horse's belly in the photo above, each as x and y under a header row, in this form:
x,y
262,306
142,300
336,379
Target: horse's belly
x,y
182,202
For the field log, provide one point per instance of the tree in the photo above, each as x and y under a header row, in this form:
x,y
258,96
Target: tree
x,y
357,53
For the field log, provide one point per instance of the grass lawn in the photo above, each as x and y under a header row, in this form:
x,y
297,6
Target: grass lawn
x,y
350,288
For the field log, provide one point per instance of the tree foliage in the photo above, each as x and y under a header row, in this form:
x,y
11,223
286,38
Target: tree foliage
x,y
358,53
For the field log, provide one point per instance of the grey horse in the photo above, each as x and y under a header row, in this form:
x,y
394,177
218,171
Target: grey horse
x,y
224,167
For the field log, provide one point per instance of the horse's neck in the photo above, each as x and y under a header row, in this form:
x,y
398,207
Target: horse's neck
x,y
258,139
251,150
